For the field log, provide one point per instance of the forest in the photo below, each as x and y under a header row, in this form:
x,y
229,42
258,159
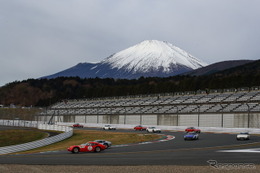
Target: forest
x,y
45,92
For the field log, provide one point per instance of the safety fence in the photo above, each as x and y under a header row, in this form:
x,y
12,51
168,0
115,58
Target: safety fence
x,y
68,132
172,128
19,123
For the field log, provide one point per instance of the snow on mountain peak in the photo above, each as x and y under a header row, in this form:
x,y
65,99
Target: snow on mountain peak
x,y
153,55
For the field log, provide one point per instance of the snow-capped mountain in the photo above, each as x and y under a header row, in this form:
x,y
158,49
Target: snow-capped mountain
x,y
151,58
152,54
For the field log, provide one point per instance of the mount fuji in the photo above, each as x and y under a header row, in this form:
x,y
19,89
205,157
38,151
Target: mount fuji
x,y
150,58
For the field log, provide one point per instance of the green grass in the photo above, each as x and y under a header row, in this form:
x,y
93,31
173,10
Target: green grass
x,y
14,137
83,136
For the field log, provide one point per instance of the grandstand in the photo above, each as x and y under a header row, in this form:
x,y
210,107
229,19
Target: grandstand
x,y
214,108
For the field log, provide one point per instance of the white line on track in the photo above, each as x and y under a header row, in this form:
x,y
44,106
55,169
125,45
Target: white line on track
x,y
251,150
168,138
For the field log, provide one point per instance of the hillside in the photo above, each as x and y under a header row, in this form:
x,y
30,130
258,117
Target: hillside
x,y
44,92
218,67
250,69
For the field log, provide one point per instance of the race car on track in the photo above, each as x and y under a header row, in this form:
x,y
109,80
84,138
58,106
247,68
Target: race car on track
x,y
191,136
77,125
153,130
192,129
109,127
243,136
103,142
140,127
87,147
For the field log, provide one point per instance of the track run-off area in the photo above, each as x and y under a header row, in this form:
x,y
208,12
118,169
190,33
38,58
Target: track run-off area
x,y
172,149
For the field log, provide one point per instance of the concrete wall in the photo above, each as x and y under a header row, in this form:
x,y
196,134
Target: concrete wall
x,y
92,119
188,120
133,119
214,120
69,118
114,119
79,118
149,119
122,119
228,120
205,120
247,120
168,120
254,121
241,120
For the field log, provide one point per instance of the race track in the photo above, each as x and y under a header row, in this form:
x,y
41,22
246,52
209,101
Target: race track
x,y
177,151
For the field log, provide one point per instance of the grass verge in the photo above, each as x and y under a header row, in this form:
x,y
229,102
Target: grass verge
x,y
83,136
20,136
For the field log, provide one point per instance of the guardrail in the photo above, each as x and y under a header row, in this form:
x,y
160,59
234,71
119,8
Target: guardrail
x,y
68,132
172,128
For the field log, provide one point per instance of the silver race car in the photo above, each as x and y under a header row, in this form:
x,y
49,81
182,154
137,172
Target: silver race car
x,y
108,144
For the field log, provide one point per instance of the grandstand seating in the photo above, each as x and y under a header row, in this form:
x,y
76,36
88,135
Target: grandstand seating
x,y
235,101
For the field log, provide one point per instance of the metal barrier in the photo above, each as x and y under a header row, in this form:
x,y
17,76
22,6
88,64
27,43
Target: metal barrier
x,y
68,132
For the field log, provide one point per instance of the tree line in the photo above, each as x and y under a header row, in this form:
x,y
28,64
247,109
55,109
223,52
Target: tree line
x,y
44,92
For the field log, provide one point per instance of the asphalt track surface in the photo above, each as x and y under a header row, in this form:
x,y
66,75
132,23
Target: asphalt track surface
x,y
172,152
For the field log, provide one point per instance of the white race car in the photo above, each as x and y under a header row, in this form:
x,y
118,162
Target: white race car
x,y
243,136
104,142
153,130
109,127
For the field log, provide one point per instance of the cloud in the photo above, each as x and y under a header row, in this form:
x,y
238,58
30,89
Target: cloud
x,y
39,38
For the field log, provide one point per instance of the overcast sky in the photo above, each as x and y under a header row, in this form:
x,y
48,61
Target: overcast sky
x,y
42,37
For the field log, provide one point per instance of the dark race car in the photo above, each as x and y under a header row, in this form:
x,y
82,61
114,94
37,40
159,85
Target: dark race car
x,y
87,147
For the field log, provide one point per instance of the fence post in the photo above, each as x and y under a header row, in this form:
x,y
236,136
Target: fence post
x,y
222,115
177,115
248,115
198,115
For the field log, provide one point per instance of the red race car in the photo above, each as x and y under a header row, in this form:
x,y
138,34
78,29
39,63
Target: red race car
x,y
77,125
192,129
140,127
87,147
